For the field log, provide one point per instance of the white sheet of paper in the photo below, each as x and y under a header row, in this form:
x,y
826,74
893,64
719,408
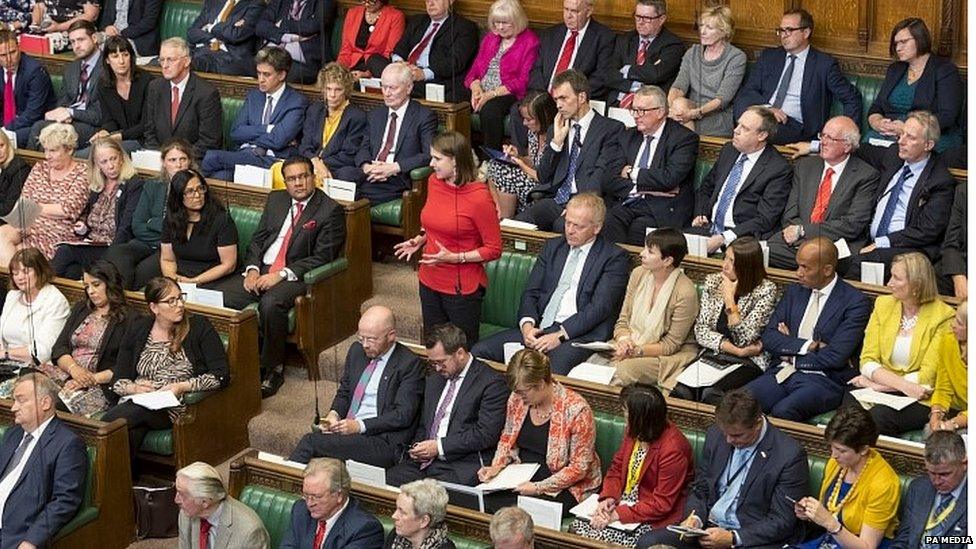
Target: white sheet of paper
x,y
144,60
252,176
587,507
24,213
700,374
649,230
594,373
880,142
593,345
843,250
513,224
764,245
697,244
547,514
275,458
509,349
870,396
338,189
872,273
147,159
369,83
599,106
434,92
510,477
623,115
366,474
156,400
12,136
210,298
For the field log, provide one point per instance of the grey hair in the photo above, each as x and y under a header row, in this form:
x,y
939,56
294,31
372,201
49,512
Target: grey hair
x,y
944,447
400,71
852,135
43,386
178,43
930,123
58,135
429,498
339,480
655,92
509,522
205,481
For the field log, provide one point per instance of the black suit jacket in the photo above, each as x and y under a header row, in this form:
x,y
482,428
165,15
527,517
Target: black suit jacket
x,y
778,469
600,160
672,170
92,113
599,294
661,63
143,18
199,119
125,115
33,93
477,416
452,50
915,508
954,247
759,204
12,180
412,148
397,398
939,90
238,39
316,20
342,149
928,207
592,55
317,238
822,83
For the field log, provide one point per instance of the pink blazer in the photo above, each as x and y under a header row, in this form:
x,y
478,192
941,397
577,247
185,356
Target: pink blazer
x,y
515,63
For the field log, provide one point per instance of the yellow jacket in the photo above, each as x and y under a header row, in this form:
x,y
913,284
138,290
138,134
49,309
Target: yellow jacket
x,y
873,500
950,377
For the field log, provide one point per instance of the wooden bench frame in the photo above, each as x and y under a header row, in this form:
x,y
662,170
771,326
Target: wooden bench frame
x,y
249,470
115,527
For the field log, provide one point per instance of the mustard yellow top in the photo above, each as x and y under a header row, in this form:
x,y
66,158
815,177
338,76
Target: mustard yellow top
x,y
951,375
872,501
331,123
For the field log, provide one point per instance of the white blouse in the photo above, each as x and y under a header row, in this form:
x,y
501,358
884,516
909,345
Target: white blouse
x,y
47,314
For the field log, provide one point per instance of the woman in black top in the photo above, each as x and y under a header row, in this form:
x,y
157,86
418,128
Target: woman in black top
x,y
167,351
13,173
199,239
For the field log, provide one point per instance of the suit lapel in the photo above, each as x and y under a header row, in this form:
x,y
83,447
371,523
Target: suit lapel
x,y
38,450
756,170
842,187
763,451
470,380
831,308
8,451
226,526
184,98
588,265
920,191
340,129
808,70
388,370
407,115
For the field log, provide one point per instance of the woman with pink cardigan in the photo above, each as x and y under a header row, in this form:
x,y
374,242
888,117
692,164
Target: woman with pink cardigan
x,y
500,73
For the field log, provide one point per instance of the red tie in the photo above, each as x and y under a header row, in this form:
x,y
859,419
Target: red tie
x,y
174,106
279,262
388,143
642,51
204,533
9,103
823,198
420,47
319,536
567,54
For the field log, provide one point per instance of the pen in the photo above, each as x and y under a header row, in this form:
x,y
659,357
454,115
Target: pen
x,y
681,537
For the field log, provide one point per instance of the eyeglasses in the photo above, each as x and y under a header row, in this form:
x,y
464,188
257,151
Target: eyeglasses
x,y
175,300
786,31
647,18
824,138
370,339
195,191
641,112
434,363
163,61
297,178
315,498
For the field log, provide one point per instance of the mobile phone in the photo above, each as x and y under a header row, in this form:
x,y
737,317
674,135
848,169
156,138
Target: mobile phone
x,y
793,501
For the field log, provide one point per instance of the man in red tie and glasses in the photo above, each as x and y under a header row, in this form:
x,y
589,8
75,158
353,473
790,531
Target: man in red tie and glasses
x,y
27,89
649,54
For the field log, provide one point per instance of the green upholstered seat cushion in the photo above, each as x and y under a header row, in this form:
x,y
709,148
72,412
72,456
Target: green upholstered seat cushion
x,y
177,17
247,220
387,213
609,433
159,442
230,106
507,277
273,506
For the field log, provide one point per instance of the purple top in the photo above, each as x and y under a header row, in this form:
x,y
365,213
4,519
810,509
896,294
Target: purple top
x,y
515,63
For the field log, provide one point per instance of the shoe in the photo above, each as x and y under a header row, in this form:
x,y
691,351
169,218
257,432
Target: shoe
x,y
271,383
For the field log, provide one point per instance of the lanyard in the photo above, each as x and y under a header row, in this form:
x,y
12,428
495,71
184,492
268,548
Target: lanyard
x,y
937,520
745,462
633,468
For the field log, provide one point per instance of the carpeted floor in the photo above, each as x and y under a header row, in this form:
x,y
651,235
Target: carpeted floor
x,y
288,415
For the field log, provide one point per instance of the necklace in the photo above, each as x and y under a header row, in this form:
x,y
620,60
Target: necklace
x,y
908,322
835,506
542,415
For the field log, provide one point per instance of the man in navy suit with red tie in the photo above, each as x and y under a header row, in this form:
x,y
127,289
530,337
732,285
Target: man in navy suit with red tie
x,y
27,89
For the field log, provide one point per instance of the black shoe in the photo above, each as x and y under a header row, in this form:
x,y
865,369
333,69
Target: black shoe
x,y
271,383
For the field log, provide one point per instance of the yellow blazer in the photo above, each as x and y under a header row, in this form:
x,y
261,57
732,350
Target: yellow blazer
x,y
951,381
873,501
882,330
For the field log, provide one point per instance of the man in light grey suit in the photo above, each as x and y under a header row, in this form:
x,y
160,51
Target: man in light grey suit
x,y
209,518
832,195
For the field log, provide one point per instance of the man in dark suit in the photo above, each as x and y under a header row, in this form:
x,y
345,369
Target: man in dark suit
x,y
798,82
913,198
649,54
301,228
745,192
327,517
439,46
749,472
374,413
268,124
198,116
304,29
222,36
29,85
44,466
832,195
78,103
396,142
937,502
347,136
574,292
582,154
657,186
462,417
815,332
952,268
139,23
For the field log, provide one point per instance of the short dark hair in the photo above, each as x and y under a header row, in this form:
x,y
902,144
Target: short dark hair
x,y
750,270
31,258
455,145
853,427
8,36
297,160
83,24
670,243
660,6
738,407
576,80
919,31
277,57
541,106
117,44
767,121
108,274
806,20
647,411
448,335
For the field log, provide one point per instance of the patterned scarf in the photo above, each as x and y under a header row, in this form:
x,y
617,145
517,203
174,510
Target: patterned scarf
x,y
435,537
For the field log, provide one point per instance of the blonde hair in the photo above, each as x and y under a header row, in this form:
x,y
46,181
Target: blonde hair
x,y
721,17
429,498
58,135
920,275
334,72
11,153
511,10
528,368
97,182
591,201
508,522
178,43
339,480
205,481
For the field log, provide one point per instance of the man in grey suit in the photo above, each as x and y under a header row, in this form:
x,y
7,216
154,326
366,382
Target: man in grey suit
x,y
78,102
935,505
832,195
209,518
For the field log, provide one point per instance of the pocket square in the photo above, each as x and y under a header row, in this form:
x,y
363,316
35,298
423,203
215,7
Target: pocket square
x,y
309,225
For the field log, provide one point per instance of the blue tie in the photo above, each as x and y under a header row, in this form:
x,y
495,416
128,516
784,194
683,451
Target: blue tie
x,y
565,190
728,195
889,211
645,159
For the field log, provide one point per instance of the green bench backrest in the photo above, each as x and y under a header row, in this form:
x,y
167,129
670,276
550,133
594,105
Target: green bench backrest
x,y
177,17
274,508
246,220
507,277
230,106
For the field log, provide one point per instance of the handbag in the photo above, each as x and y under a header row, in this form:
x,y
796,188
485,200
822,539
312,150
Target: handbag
x,y
157,515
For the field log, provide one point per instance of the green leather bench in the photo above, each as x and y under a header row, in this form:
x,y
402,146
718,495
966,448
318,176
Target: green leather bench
x,y
824,419
507,277
177,17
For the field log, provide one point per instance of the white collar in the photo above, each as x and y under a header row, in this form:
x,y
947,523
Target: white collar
x,y
826,290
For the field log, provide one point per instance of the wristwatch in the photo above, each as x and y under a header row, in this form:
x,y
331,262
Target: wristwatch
x,y
283,274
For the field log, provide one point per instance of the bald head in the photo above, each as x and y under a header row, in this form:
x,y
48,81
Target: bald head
x,y
816,262
377,330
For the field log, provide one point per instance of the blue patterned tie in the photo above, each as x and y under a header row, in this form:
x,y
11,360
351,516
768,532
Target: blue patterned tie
x,y
945,500
728,195
889,211
565,190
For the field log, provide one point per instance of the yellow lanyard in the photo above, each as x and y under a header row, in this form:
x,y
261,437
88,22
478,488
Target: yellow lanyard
x,y
935,521
633,468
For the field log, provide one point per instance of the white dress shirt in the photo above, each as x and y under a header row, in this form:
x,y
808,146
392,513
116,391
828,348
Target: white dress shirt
x,y
901,209
446,420
635,169
8,482
584,124
572,60
793,103
369,407
813,309
729,223
401,111
272,251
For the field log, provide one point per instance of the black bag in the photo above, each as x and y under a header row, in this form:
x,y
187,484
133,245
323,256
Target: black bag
x,y
157,515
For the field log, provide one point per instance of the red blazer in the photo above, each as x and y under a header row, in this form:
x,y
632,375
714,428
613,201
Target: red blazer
x,y
389,28
667,470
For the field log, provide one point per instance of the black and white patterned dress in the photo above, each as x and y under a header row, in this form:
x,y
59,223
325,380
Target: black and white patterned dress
x,y
612,535
511,179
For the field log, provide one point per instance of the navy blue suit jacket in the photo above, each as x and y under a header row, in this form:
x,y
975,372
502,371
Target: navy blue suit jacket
x,y
49,491
33,94
600,290
841,326
143,18
822,83
915,508
600,159
354,529
939,90
316,16
286,117
238,39
346,141
412,147
778,469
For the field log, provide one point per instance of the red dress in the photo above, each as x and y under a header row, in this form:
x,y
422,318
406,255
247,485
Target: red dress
x,y
71,193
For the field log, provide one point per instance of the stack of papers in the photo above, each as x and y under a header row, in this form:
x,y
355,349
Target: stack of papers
x,y
701,374
202,296
872,397
510,477
587,507
697,244
594,373
24,213
156,400
513,224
